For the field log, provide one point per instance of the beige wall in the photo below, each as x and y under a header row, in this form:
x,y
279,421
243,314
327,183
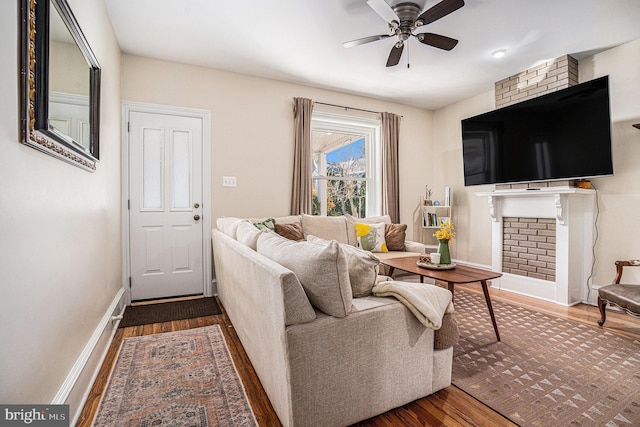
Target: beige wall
x,y
252,132
470,213
619,195
619,222
60,264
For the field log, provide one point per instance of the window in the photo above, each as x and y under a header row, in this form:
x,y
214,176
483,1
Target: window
x,y
345,165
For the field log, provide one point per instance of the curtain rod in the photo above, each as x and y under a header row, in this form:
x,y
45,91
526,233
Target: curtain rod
x,y
347,108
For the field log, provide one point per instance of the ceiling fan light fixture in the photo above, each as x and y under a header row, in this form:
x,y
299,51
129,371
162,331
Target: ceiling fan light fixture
x,y
499,53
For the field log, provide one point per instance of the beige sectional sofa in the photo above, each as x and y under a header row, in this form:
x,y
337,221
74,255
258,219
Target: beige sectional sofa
x,y
369,355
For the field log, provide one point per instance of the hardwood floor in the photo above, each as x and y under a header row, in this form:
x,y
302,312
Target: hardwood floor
x,y
448,407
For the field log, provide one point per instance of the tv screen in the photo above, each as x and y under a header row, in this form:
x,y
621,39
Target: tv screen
x,y
561,135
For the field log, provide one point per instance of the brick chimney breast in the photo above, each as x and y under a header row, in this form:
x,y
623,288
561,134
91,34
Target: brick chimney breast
x,y
550,76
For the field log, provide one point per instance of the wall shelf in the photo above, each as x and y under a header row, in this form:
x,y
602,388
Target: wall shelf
x,y
432,215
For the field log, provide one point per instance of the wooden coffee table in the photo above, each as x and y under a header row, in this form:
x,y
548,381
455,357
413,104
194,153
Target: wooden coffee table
x,y
458,275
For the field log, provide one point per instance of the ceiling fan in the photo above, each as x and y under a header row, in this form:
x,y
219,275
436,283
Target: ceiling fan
x,y
403,19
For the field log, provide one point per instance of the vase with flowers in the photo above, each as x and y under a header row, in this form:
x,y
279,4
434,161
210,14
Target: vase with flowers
x,y
444,234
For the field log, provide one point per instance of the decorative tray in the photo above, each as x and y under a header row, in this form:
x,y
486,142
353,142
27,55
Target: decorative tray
x,y
436,266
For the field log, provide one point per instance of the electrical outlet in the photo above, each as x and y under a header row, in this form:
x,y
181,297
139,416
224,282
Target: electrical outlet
x,y
228,181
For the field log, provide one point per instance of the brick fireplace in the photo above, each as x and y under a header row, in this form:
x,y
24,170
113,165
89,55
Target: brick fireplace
x,y
542,240
529,247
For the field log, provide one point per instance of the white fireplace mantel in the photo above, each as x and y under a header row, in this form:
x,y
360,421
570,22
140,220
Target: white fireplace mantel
x,y
574,212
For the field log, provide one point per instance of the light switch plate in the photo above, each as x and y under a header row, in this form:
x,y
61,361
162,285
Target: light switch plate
x,y
228,181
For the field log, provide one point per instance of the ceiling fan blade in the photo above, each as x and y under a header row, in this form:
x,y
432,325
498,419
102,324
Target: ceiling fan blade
x,y
441,9
364,40
394,56
383,9
436,40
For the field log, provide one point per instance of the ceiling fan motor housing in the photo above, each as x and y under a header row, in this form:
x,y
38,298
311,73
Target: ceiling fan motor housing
x,y
407,14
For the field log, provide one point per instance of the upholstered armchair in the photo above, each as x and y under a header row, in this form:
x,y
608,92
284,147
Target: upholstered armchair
x,y
624,296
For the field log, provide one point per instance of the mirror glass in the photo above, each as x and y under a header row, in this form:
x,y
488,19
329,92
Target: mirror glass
x,y
68,84
60,81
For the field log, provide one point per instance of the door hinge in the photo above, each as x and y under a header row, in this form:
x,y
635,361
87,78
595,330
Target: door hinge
x,y
129,282
128,126
129,204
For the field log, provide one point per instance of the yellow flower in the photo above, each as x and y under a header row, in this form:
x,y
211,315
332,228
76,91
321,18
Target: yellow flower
x,y
446,231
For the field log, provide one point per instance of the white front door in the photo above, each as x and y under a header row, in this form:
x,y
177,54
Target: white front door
x,y
165,192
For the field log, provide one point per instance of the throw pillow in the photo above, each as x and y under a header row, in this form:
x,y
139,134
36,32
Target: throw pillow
x,y
395,234
269,224
363,267
321,269
291,231
370,237
351,225
247,234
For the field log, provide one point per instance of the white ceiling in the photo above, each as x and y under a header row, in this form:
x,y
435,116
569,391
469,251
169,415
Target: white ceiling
x,y
300,41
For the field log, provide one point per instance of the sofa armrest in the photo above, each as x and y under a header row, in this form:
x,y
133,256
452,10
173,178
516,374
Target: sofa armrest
x,y
410,246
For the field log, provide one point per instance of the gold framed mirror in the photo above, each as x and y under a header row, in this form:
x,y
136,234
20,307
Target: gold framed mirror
x,y
60,84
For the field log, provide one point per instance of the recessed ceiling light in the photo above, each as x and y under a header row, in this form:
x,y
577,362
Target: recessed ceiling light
x,y
499,53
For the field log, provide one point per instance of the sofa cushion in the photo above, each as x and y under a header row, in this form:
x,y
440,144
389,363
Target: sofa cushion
x,y
395,234
247,234
363,267
370,237
228,225
321,269
289,219
351,225
325,227
292,231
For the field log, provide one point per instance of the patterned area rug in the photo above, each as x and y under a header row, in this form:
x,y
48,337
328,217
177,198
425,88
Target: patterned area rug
x,y
546,371
177,379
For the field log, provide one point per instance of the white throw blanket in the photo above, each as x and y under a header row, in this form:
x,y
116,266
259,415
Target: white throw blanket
x,y
428,303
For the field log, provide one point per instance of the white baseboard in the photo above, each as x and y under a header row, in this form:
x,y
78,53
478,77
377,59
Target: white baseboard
x,y
76,387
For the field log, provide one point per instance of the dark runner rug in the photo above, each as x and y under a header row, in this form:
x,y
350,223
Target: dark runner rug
x,y
168,311
178,379
546,371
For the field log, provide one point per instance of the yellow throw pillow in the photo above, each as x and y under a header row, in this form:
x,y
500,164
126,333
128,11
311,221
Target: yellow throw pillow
x,y
370,237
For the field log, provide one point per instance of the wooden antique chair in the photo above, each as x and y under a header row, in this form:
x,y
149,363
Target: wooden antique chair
x,y
626,297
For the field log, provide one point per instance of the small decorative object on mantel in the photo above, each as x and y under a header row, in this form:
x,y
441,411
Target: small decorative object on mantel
x,y
427,196
583,183
444,234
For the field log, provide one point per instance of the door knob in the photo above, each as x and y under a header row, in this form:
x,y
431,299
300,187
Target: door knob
x,y
196,217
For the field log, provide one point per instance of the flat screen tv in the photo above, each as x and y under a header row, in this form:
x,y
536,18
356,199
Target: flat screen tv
x,y
561,135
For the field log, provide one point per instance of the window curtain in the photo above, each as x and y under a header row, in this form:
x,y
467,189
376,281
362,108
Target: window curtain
x,y
390,129
301,199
